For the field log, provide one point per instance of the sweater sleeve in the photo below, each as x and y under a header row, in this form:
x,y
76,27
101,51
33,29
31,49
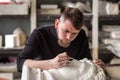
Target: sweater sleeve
x,y
30,50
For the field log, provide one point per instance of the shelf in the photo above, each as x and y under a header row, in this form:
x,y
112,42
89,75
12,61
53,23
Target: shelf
x,y
10,51
109,17
11,16
46,17
88,16
51,17
14,16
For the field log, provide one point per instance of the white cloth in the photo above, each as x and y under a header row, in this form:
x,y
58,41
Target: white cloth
x,y
74,70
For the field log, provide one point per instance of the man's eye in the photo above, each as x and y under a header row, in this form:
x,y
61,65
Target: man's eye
x,y
66,31
74,33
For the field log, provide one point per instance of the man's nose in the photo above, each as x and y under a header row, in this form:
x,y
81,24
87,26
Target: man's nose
x,y
69,36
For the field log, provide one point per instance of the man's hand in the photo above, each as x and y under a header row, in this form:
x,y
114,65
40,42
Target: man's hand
x,y
99,62
60,60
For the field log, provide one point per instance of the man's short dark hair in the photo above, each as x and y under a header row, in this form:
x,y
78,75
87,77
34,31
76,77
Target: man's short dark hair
x,y
74,15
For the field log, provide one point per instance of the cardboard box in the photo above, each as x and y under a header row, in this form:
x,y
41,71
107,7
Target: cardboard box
x,y
14,9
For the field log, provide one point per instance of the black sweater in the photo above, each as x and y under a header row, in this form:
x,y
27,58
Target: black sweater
x,y
42,45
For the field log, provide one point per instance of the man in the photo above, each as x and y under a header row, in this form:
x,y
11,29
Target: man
x,y
52,46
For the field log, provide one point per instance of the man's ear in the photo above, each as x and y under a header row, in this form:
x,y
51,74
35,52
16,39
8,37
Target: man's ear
x,y
57,21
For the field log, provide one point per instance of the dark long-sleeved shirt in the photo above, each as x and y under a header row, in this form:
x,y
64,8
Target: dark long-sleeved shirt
x,y
43,44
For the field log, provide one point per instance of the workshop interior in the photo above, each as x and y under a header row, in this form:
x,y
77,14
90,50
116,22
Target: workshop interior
x,y
18,18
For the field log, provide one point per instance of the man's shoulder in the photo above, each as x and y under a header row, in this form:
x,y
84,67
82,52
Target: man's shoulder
x,y
46,27
82,32
43,30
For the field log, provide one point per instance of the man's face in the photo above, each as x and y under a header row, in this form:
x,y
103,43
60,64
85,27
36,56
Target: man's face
x,y
66,31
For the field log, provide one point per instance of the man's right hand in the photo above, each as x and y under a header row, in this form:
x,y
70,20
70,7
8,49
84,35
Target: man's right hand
x,y
60,60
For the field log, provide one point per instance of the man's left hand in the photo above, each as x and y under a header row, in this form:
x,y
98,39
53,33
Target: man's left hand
x,y
99,62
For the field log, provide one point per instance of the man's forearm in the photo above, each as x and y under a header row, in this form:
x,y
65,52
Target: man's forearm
x,y
59,61
41,64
